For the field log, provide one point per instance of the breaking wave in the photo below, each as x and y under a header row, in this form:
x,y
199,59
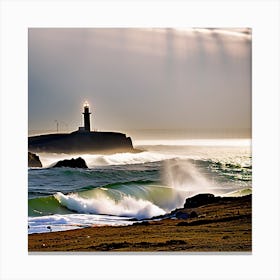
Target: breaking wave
x,y
138,198
126,207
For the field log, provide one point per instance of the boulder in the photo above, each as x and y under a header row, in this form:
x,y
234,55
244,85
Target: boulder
x,y
193,214
74,163
182,224
182,215
33,160
145,223
199,200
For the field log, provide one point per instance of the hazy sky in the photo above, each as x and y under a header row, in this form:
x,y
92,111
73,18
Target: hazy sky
x,y
140,78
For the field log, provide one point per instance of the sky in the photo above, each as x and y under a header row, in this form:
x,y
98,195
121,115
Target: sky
x,y
187,79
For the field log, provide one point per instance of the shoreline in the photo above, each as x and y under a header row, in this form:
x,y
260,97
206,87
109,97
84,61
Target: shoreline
x,y
223,225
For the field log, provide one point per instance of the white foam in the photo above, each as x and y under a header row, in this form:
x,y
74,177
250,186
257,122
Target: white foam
x,y
92,160
73,221
234,148
125,158
127,206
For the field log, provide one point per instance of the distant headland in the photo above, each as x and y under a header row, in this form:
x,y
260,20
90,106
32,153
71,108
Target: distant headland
x,y
82,141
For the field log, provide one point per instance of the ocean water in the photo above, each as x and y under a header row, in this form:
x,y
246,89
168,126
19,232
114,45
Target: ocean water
x,y
121,188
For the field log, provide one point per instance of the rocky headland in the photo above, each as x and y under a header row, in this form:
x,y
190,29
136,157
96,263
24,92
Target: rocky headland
x,y
82,142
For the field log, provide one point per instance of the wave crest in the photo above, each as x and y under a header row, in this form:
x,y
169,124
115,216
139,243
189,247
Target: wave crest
x,y
126,207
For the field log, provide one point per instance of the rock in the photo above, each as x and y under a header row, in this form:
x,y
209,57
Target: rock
x,y
145,223
193,214
182,224
199,200
182,215
175,242
33,160
225,237
207,198
74,163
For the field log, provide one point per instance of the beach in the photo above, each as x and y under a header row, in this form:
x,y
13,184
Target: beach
x,y
223,226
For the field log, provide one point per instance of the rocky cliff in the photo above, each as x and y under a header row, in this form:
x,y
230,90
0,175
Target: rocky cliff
x,y
77,142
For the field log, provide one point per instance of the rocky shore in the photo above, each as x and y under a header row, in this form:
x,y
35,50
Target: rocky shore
x,y
205,224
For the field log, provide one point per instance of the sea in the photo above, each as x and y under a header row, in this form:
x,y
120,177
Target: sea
x,y
123,188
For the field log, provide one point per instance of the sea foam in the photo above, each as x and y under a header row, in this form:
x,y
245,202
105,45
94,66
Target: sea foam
x,y
73,221
126,207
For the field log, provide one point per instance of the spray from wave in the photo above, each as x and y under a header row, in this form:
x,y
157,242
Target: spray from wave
x,y
181,174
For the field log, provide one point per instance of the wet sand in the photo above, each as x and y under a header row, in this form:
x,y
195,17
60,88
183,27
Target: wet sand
x,y
224,226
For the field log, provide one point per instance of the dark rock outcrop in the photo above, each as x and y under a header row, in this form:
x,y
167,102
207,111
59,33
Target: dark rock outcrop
x,y
182,215
183,224
208,198
74,163
34,160
145,223
199,200
193,214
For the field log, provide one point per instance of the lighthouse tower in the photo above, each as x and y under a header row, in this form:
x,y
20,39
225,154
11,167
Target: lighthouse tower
x,y
86,114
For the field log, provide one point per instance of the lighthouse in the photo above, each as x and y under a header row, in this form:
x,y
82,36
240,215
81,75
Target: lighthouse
x,y
86,114
82,140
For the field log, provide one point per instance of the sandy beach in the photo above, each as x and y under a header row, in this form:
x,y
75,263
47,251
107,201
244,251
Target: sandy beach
x,y
224,226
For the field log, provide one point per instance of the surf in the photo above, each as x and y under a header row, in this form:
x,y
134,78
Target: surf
x,y
129,186
135,200
138,199
97,160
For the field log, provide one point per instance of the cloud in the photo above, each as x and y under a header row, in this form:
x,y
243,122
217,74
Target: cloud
x,y
141,78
